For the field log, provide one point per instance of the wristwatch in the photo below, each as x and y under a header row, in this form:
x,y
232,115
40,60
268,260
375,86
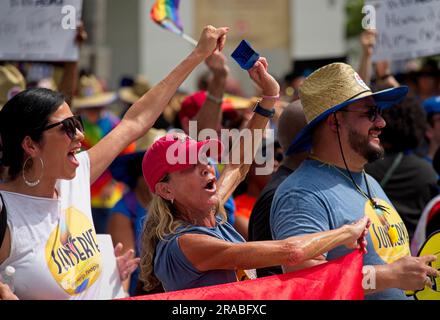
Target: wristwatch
x,y
264,112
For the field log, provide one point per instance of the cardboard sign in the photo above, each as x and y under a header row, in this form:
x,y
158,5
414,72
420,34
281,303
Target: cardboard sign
x,y
407,29
39,30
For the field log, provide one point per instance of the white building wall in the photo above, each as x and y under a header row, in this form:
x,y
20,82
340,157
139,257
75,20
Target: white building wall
x,y
160,49
318,29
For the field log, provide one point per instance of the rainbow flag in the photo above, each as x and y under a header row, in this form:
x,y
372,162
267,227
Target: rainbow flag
x,y
166,14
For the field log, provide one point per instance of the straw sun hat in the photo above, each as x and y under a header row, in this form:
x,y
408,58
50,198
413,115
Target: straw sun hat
x,y
330,89
91,94
11,83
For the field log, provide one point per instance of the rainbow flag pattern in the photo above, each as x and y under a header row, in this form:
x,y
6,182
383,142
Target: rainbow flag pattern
x,y
166,14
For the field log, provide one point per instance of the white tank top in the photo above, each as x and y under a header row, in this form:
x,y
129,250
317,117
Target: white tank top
x,y
53,241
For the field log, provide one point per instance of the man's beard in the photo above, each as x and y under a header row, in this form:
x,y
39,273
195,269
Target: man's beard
x,y
362,146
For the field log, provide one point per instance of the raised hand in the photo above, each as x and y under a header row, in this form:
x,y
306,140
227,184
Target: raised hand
x,y
211,39
368,41
81,34
263,79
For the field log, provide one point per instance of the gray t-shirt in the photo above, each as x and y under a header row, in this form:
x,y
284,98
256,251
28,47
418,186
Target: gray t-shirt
x,y
174,270
318,197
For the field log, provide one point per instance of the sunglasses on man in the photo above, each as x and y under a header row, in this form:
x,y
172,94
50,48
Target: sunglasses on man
x,y
70,125
372,113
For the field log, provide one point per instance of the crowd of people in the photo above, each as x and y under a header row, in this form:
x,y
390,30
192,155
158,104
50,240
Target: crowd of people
x,y
353,169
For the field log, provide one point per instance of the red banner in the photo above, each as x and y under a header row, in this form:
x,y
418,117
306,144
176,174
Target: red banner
x,y
339,279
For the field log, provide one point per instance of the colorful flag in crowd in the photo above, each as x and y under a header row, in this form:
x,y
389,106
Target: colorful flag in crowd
x,y
166,14
339,279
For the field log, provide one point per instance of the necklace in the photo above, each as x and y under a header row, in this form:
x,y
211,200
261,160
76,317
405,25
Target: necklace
x,y
379,209
367,194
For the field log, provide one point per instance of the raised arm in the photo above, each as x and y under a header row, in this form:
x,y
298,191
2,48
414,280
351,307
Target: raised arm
x,y
209,253
233,174
210,116
142,115
69,79
368,40
384,77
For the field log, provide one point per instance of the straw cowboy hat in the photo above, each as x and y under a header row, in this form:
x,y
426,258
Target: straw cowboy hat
x,y
149,138
132,94
11,83
330,89
91,94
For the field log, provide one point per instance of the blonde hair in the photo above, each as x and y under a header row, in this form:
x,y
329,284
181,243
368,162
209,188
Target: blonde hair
x,y
160,223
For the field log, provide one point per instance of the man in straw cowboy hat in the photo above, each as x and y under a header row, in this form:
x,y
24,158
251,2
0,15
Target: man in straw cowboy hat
x,y
331,188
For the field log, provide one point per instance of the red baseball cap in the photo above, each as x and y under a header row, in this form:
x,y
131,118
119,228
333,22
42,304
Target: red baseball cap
x,y
192,104
175,152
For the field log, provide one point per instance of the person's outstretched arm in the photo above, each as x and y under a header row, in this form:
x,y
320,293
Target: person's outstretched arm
x,y
142,115
209,253
233,174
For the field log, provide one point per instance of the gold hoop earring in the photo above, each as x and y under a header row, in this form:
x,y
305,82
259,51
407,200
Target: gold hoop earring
x,y
32,184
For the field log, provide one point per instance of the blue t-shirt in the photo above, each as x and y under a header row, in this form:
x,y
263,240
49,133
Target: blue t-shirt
x,y
174,270
319,197
130,207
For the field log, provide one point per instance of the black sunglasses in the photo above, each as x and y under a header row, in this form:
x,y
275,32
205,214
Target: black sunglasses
x,y
69,126
371,114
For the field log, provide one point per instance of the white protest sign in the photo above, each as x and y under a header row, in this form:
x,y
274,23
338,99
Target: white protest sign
x,y
39,30
407,29
111,287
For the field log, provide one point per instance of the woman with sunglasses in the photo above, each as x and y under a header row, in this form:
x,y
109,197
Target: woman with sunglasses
x,y
48,235
186,241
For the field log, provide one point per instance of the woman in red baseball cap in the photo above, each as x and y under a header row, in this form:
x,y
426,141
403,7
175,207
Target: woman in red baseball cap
x,y
46,228
186,241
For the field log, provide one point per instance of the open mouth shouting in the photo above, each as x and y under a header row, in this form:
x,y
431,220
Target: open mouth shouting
x,y
71,156
211,186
